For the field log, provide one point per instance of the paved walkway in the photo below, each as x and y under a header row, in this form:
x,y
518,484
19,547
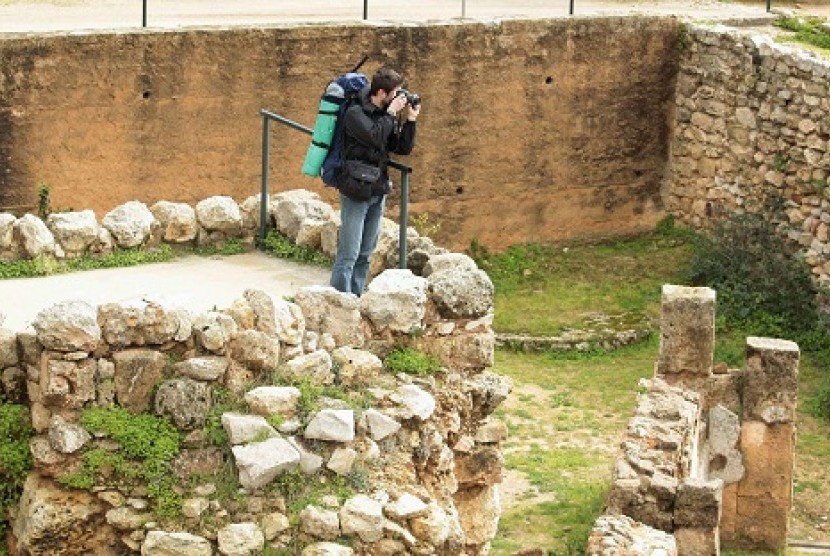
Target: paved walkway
x,y
195,283
78,16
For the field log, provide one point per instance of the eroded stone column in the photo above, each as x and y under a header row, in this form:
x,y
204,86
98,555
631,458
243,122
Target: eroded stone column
x,y
687,334
763,497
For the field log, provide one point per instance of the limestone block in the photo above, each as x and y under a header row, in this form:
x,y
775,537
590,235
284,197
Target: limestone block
x,y
460,292
315,367
380,425
68,326
291,208
483,466
491,432
207,368
259,462
289,322
342,460
320,523
337,313
67,384
310,462
405,507
35,239
768,454
698,504
136,374
240,539
448,261
356,367
725,461
414,402
273,524
8,349
219,213
687,331
479,510
395,300
336,425
185,401
619,534
327,549
8,245
13,384
488,390
469,350
66,437
74,231
729,512
328,237
362,516
256,350
310,233
761,523
268,400
433,527
770,380
126,519
250,210
198,461
246,428
162,543
140,321
214,331
130,224
242,313
177,220
193,508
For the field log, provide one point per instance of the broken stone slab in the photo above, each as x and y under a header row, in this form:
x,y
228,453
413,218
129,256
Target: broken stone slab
x,y
414,402
405,507
162,543
698,503
208,368
342,461
492,431
130,224
395,300
433,526
479,512
310,462
356,367
320,523
687,331
289,322
770,380
68,326
240,539
137,372
214,331
268,400
177,221
274,523
256,350
126,519
336,425
380,425
260,462
362,516
723,452
246,428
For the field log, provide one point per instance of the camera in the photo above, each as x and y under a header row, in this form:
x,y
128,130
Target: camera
x,y
412,99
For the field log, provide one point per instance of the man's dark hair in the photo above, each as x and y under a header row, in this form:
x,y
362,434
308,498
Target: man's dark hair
x,y
385,79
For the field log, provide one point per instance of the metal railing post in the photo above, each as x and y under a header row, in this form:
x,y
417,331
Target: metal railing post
x,y
769,5
404,219
365,9
571,12
263,199
144,13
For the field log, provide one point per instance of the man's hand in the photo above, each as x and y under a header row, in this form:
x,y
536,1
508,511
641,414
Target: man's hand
x,y
396,105
412,112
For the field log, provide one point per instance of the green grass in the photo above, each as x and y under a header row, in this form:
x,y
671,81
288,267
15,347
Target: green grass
x,y
280,246
808,30
411,361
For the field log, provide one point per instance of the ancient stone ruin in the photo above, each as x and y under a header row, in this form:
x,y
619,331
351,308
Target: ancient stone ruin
x,y
272,422
707,458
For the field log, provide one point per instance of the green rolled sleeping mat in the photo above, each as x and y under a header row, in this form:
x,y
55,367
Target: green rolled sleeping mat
x,y
321,137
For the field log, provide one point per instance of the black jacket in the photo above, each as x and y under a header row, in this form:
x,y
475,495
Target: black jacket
x,y
370,134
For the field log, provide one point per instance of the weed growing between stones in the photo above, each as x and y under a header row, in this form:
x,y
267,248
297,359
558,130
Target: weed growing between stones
x,y
146,445
46,266
280,246
410,361
15,459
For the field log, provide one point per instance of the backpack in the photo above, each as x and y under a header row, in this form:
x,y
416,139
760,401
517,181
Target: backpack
x,y
324,156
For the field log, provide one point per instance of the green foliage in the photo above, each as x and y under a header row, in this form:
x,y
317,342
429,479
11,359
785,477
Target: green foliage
x,y
808,30
43,201
761,287
45,266
229,247
682,37
224,401
15,459
780,162
280,246
425,224
300,490
146,446
404,360
818,404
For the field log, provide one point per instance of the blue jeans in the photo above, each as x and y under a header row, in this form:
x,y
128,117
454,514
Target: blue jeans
x,y
359,227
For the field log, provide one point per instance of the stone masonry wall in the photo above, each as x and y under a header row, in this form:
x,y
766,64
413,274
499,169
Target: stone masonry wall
x,y
299,390
751,136
583,103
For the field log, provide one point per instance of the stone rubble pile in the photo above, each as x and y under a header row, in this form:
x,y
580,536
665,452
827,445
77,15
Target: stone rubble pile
x,y
422,453
751,136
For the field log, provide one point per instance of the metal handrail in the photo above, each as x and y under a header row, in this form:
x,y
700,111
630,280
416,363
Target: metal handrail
x,y
405,170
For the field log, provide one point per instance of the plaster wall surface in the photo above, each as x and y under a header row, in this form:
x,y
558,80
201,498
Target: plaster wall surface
x,y
532,130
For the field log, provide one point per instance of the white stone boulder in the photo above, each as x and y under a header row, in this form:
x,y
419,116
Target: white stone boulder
x,y
336,425
320,523
310,462
250,209
362,516
461,292
356,367
68,326
380,425
130,224
297,208
414,402
240,539
315,367
185,401
74,231
219,213
8,245
259,462
262,306
289,322
66,437
449,261
395,300
162,543
268,400
256,350
328,237
177,220
214,331
406,507
433,526
35,237
327,310
246,428
342,461
140,321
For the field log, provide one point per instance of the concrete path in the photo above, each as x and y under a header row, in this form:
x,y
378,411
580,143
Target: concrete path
x,y
195,283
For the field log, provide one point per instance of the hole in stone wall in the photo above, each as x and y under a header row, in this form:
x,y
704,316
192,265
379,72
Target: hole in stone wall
x,y
717,463
549,80
146,94
459,190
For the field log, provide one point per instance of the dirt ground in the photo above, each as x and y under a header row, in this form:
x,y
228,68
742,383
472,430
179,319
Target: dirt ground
x,y
26,16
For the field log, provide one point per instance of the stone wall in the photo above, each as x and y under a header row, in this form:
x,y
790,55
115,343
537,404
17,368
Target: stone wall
x,y
264,398
751,136
709,453
584,104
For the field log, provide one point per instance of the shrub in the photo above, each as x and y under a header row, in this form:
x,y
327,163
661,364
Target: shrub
x,y
15,459
411,361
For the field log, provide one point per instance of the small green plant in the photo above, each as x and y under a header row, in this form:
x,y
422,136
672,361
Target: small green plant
x,y
280,246
404,360
780,162
15,458
228,247
682,38
46,266
43,201
425,224
820,186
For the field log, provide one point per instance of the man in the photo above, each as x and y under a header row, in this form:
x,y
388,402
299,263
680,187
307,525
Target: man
x,y
372,129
